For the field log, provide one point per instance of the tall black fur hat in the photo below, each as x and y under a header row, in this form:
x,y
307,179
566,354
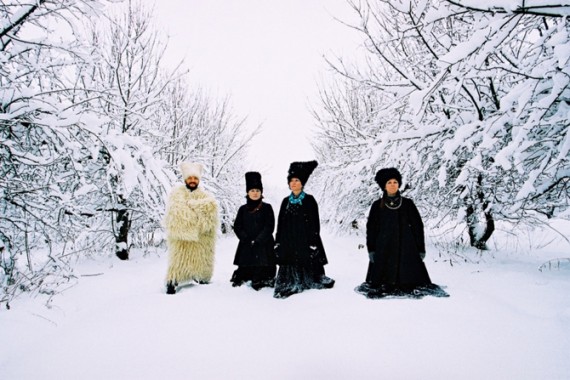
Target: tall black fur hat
x,y
253,181
301,170
386,174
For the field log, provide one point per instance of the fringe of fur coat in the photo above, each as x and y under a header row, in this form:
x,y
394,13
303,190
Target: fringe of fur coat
x,y
191,222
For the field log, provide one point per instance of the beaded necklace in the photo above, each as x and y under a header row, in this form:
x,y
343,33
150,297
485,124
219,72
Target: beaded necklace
x,y
393,203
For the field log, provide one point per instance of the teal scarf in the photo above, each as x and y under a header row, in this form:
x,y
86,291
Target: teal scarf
x,y
297,200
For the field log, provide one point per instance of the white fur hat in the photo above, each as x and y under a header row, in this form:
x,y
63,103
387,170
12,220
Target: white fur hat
x,y
191,169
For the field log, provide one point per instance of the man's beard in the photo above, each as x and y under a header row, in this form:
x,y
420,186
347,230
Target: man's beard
x,y
192,186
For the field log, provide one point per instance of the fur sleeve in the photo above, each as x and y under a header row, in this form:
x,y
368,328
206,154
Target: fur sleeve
x,y
206,211
189,216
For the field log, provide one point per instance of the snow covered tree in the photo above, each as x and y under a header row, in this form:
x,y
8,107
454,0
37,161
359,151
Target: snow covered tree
x,y
46,138
343,146
470,102
206,130
85,117
129,80
224,157
151,112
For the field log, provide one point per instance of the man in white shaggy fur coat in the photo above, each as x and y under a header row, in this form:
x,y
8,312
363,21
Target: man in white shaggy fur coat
x,y
191,222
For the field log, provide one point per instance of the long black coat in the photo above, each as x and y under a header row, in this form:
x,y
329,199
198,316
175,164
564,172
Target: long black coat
x,y
397,238
255,226
298,228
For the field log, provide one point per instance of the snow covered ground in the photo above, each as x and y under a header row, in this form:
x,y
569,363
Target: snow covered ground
x,y
505,319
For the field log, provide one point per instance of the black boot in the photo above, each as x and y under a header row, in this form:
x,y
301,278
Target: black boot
x,y
327,282
170,289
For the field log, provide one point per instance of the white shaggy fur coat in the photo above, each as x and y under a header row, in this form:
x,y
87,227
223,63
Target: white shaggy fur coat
x,y
191,222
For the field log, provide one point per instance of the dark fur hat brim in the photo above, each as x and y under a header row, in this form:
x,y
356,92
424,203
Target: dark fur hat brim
x,y
386,174
301,170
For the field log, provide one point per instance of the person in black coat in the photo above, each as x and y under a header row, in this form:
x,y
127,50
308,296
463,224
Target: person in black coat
x,y
299,249
254,226
396,245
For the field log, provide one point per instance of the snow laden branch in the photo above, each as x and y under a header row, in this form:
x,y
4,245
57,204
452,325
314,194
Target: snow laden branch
x,y
473,106
530,7
45,141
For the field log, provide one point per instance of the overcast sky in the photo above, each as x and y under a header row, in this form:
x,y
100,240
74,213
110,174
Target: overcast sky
x,y
268,56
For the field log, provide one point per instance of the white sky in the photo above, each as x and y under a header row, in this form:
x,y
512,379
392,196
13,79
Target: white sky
x,y
268,56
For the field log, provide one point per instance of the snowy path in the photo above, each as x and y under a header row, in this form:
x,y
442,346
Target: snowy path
x,y
504,320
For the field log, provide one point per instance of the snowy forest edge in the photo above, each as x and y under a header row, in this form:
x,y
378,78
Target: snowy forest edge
x,y
471,104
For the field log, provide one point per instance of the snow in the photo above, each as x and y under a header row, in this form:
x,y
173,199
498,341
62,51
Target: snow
x,y
509,309
505,319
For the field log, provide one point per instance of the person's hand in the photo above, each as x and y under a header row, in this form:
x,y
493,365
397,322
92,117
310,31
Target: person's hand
x,y
371,257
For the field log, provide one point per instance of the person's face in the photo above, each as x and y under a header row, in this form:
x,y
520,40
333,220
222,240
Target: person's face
x,y
254,194
392,187
295,185
192,182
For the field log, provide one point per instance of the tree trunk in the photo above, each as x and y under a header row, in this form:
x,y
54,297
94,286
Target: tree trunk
x,y
479,239
476,239
123,223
